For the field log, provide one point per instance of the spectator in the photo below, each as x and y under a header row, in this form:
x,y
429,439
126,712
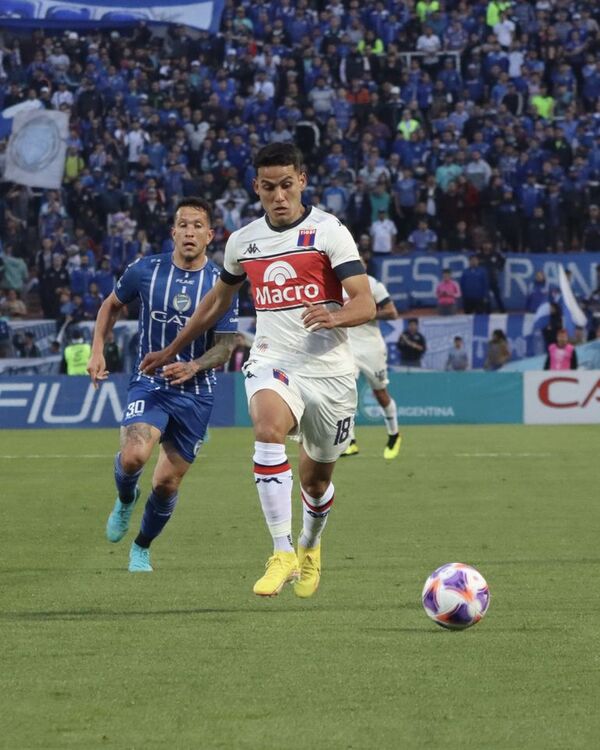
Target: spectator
x,y
15,270
52,283
493,261
447,293
12,305
554,325
240,353
77,353
561,355
423,239
478,172
104,277
498,353
383,233
112,353
591,233
537,293
412,345
474,287
29,349
359,209
538,234
458,359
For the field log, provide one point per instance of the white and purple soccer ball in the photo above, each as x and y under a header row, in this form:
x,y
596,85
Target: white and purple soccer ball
x,y
456,596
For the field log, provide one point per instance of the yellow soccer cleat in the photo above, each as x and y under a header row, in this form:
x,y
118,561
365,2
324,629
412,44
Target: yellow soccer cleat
x,y
351,450
309,560
281,568
392,448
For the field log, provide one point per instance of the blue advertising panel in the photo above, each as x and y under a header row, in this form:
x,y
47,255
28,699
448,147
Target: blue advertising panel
x,y
411,279
448,398
70,401
61,14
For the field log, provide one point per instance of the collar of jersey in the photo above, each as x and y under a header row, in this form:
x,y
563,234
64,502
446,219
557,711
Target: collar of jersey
x,y
306,213
188,270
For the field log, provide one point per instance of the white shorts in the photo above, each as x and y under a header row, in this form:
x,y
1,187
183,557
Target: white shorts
x,y
373,365
323,408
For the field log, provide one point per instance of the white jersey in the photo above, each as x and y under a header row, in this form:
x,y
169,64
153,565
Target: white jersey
x,y
286,267
367,337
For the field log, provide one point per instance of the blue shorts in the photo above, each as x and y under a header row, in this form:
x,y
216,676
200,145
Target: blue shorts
x,y
181,417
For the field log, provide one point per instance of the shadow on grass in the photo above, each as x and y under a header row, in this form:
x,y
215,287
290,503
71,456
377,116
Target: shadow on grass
x,y
255,608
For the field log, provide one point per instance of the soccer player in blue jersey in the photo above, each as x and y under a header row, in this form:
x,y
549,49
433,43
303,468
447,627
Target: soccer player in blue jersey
x,y
173,406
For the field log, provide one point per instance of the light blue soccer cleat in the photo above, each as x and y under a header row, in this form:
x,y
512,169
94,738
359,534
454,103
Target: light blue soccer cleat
x,y
118,521
139,559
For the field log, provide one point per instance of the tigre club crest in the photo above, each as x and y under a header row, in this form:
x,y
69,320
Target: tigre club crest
x,y
182,302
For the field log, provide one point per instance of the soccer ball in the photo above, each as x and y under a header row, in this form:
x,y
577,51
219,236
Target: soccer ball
x,y
456,596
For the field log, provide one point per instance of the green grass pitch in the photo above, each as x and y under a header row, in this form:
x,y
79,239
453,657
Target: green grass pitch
x,y
188,657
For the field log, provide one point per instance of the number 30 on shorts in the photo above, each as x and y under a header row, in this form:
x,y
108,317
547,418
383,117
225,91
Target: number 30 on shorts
x,y
342,430
135,409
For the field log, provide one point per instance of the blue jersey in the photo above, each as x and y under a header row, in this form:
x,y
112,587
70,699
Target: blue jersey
x,y
168,296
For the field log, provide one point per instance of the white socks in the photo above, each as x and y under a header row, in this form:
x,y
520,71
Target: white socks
x,y
314,516
390,414
273,478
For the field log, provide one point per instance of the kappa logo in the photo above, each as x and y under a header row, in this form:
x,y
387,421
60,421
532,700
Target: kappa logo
x,y
252,249
266,480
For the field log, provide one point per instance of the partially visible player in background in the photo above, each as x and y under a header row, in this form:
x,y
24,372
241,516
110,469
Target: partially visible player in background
x,y
160,408
300,374
370,356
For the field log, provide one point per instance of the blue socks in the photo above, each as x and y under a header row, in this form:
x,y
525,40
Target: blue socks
x,y
157,512
125,482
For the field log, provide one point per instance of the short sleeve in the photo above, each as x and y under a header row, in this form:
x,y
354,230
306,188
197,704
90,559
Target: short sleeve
x,y
380,293
230,261
339,244
128,286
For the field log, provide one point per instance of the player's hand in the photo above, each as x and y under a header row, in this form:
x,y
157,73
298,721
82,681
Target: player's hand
x,y
179,372
96,368
153,360
316,317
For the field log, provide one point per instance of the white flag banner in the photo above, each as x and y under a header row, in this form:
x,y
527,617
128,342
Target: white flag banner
x,y
36,149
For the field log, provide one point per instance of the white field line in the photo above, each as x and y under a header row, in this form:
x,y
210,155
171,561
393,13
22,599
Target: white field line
x,y
56,455
502,455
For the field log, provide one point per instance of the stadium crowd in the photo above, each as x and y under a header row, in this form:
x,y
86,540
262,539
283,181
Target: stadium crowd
x,y
469,126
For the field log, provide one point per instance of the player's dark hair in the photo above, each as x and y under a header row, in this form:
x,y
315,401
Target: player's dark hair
x,y
195,202
279,155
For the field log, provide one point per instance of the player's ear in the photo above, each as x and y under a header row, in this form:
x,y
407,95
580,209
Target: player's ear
x,y
255,185
303,179
210,235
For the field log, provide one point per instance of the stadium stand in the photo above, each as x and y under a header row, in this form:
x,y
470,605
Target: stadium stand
x,y
456,123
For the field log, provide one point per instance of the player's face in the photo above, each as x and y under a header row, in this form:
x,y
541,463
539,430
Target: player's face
x,y
280,192
191,234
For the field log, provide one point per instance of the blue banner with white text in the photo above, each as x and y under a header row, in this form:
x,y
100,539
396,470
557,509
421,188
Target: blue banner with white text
x,y
198,14
412,279
72,401
448,398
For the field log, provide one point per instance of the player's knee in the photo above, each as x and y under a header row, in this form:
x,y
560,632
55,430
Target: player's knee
x,y
165,487
383,397
132,460
265,432
315,488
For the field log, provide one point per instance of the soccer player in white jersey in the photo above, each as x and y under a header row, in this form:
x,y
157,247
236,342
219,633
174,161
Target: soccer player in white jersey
x,y
370,355
169,287
300,373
